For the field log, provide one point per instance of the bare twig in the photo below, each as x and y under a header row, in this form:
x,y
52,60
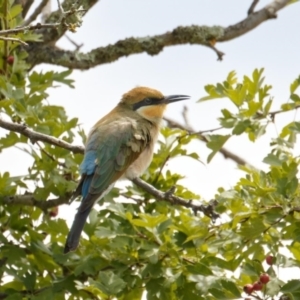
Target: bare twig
x,y
36,12
226,153
26,7
168,196
60,7
37,136
43,26
250,22
252,7
29,27
77,46
5,24
11,39
185,117
208,130
272,114
219,53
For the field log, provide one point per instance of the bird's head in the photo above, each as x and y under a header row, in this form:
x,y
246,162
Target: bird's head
x,y
149,103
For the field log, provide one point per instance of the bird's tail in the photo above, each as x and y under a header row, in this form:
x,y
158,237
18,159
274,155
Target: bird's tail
x,y
78,223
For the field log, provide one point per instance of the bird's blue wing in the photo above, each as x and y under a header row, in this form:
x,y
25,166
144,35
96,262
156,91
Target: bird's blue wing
x,y
109,152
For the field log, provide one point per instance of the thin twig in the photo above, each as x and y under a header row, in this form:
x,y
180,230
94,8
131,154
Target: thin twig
x,y
161,168
50,156
29,27
219,53
226,153
252,7
272,114
36,13
185,117
208,130
60,7
6,48
11,39
168,196
26,7
78,46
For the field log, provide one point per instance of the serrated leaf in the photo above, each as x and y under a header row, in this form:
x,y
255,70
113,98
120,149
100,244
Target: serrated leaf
x,y
272,160
292,288
215,143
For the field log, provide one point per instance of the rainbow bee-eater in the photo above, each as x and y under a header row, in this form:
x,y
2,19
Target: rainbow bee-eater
x,y
120,145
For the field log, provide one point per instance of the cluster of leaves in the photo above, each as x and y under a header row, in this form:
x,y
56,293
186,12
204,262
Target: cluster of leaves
x,y
142,244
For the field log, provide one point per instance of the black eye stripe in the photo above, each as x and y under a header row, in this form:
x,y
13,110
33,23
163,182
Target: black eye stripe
x,y
146,102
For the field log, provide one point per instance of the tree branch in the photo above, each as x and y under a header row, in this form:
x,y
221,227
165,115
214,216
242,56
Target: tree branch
x,y
252,7
153,45
36,12
11,39
29,27
26,7
253,20
169,196
37,136
226,153
30,200
51,36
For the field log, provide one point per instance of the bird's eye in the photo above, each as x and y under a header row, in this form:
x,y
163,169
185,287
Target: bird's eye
x,y
148,100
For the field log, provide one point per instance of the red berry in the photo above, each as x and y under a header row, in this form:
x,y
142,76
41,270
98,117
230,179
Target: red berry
x,y
10,59
270,260
264,278
257,286
53,212
248,288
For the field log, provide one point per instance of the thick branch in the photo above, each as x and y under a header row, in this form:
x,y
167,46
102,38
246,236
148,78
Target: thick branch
x,y
37,136
200,35
151,45
169,196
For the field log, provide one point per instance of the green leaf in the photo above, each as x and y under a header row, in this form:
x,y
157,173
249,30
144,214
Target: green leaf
x,y
215,143
292,289
109,283
294,85
15,11
272,160
199,269
240,127
295,98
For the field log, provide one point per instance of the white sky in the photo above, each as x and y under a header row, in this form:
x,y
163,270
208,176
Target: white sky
x,y
274,45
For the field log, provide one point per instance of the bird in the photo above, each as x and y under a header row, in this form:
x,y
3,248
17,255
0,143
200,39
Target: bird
x,y
120,145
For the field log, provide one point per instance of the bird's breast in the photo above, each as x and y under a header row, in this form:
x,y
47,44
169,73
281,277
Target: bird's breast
x,y
139,166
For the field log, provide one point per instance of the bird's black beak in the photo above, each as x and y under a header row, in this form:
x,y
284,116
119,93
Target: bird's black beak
x,y
174,98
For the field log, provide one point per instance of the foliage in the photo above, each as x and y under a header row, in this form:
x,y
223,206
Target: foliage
x,y
147,245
